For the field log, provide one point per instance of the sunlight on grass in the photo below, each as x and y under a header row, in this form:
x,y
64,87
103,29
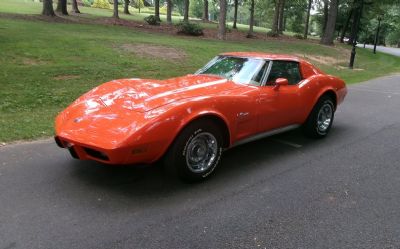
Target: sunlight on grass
x,y
45,66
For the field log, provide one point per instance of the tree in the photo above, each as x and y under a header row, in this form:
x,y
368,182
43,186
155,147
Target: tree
x,y
169,11
275,22
327,37
48,8
115,13
186,11
222,20
281,21
346,24
307,18
326,14
75,7
157,9
205,11
62,7
355,19
251,22
126,7
236,3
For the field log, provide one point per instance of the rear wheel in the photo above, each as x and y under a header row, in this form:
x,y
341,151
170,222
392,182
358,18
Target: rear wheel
x,y
320,120
196,151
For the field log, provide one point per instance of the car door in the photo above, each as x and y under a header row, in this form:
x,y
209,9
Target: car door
x,y
280,106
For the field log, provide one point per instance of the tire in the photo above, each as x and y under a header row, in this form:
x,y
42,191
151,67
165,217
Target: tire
x,y
319,122
196,151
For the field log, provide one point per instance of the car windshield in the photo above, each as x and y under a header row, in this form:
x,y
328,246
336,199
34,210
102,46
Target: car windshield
x,y
239,70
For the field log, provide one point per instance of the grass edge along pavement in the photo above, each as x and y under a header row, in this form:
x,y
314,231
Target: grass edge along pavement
x,y
44,66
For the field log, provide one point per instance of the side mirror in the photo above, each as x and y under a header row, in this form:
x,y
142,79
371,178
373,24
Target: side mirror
x,y
281,82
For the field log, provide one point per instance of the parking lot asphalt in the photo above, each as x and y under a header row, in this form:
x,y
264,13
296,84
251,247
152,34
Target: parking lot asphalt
x,y
286,191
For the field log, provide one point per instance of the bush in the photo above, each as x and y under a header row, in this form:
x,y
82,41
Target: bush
x,y
272,34
228,29
188,28
102,4
299,36
152,20
87,3
163,11
137,4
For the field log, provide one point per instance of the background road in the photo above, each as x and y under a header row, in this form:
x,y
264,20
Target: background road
x,y
387,50
281,192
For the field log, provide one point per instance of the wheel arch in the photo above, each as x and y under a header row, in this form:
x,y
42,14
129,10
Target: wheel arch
x,y
330,93
216,119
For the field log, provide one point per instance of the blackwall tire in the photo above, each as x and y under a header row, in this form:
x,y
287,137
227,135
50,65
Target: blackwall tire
x,y
320,120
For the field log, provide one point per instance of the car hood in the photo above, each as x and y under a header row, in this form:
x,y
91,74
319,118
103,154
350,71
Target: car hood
x,y
116,109
146,94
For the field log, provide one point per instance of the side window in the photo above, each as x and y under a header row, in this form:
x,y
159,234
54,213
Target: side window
x,y
260,75
284,69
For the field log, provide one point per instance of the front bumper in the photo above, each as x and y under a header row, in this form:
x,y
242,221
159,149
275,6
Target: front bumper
x,y
86,152
139,154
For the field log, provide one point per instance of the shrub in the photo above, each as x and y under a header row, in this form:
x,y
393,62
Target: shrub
x,y
228,29
137,4
188,28
152,20
102,4
299,36
87,3
272,34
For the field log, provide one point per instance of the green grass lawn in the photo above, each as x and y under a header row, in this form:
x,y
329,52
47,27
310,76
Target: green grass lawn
x,y
45,66
30,7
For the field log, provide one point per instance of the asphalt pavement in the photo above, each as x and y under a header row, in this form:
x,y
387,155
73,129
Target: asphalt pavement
x,y
386,50
285,191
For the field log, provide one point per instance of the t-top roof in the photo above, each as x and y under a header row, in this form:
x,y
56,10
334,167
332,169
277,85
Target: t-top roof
x,y
263,55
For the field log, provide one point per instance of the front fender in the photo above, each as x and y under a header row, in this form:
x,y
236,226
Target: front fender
x,y
166,122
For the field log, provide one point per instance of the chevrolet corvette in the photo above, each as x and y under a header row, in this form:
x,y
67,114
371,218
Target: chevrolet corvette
x,y
189,121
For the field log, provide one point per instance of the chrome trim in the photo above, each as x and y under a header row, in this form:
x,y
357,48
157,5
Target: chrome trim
x,y
265,134
243,114
201,152
324,118
266,74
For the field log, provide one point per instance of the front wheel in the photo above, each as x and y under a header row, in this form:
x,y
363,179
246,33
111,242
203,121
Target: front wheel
x,y
196,151
320,120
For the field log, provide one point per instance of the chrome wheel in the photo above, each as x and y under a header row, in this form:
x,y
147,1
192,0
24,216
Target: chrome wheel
x,y
324,118
201,152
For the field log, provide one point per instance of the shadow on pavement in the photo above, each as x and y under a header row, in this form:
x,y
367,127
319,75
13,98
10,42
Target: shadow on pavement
x,y
152,182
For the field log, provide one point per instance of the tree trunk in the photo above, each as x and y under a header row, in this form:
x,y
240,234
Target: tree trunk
x,y
326,10
222,20
356,13
235,14
274,28
186,11
126,7
346,26
327,38
281,23
115,14
169,11
157,9
251,24
58,8
75,7
205,11
62,7
48,8
307,18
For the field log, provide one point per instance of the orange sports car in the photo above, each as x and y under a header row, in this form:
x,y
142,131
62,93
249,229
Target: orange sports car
x,y
188,121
